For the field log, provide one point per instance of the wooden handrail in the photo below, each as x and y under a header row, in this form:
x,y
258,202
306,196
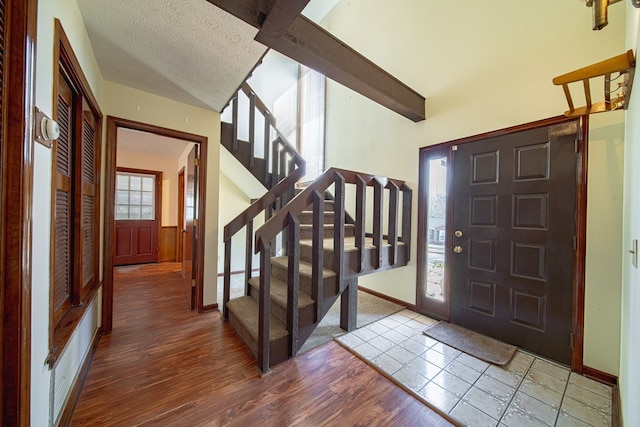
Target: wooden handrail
x,y
262,203
279,221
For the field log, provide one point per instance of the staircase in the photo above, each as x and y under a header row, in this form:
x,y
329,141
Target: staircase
x,y
326,249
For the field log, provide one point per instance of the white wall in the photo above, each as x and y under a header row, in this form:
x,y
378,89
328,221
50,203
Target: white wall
x,y
232,202
630,350
483,66
169,168
41,377
125,102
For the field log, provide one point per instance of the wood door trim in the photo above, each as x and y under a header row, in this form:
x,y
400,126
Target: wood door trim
x,y
179,245
16,153
113,123
577,353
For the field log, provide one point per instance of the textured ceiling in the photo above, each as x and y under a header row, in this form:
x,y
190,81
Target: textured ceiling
x,y
186,50
145,142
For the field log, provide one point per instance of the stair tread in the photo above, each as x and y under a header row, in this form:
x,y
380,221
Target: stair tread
x,y
279,290
329,225
245,310
305,267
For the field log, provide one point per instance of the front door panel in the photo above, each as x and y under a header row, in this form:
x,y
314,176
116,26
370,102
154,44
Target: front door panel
x,y
512,248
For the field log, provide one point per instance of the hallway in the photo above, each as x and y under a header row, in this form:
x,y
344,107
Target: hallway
x,y
165,365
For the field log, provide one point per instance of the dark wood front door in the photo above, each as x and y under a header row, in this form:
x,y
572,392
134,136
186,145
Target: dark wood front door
x,y
190,223
512,249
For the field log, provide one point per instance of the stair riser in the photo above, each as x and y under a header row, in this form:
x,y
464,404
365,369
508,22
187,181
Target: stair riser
x,y
306,231
307,218
306,254
329,284
306,314
278,349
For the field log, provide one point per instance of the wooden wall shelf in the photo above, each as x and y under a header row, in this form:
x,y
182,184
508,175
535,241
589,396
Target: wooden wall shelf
x,y
618,78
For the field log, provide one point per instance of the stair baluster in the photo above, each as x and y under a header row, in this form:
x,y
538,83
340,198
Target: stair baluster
x,y
252,129
360,221
317,254
392,236
248,256
406,220
293,282
377,221
338,230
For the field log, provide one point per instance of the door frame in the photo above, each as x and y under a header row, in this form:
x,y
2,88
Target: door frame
x,y
179,245
16,193
113,124
577,326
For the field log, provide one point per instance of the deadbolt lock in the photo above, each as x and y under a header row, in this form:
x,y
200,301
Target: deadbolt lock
x,y
458,233
457,249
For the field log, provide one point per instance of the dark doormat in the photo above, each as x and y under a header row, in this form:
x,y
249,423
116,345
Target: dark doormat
x,y
484,348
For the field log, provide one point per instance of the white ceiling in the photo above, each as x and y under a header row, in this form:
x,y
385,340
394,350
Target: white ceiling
x,y
133,140
187,50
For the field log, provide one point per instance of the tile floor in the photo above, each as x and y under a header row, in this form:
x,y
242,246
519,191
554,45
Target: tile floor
x,y
529,391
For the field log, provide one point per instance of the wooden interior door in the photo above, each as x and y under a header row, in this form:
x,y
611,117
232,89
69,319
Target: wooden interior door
x,y
189,234
136,235
512,248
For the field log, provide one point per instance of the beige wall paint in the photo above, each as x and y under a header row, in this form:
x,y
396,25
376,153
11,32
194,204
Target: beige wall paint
x,y
483,66
169,168
232,202
629,381
125,102
69,15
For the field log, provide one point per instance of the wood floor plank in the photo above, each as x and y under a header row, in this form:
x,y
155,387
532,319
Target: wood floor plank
x,y
165,365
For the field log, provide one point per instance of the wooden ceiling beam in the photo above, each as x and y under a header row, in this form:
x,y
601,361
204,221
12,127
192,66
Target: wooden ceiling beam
x,y
309,44
281,14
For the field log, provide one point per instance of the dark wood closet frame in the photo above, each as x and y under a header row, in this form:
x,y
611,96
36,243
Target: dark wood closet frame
x,y
16,191
60,332
113,123
577,364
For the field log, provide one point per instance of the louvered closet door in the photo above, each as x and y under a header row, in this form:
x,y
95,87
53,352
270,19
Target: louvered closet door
x,y
63,201
86,205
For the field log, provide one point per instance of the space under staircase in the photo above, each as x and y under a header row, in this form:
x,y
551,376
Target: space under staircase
x,y
311,250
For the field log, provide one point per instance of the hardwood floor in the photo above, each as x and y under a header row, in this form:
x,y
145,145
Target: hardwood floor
x,y
164,365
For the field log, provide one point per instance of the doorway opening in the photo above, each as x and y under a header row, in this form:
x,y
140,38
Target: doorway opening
x,y
501,235
133,155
